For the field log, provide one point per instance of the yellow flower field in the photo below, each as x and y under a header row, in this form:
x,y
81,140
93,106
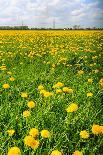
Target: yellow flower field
x,y
51,92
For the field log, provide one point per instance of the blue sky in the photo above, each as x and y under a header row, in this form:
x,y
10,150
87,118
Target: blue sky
x,y
41,13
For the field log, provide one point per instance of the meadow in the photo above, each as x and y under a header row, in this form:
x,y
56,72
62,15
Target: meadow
x,y
51,92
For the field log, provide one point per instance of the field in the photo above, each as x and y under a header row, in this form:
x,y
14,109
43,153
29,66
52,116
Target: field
x,y
51,92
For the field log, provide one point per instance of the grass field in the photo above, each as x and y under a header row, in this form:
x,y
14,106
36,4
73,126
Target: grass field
x,y
51,92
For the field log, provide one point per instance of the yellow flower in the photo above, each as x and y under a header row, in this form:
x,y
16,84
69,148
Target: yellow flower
x,y
31,104
31,142
11,78
47,94
90,80
28,140
96,71
101,82
72,107
11,132
58,91
35,144
58,84
3,67
77,153
9,72
24,95
80,72
56,152
84,134
67,90
89,94
45,133
96,129
26,113
34,132
42,91
40,87
14,151
6,86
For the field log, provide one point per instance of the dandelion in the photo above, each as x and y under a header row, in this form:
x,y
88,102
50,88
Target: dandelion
x,y
72,107
101,82
58,84
31,142
47,94
89,94
96,129
67,90
9,72
56,152
26,113
24,95
34,132
80,72
58,91
6,86
96,71
77,153
11,78
42,91
90,80
3,67
11,132
40,87
45,133
31,104
84,134
14,151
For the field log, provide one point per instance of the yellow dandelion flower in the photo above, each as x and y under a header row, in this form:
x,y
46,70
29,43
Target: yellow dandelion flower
x,y
80,72
40,87
96,129
11,132
11,78
31,104
77,153
101,82
56,152
3,67
42,91
31,142
101,129
34,132
89,94
9,72
48,94
14,151
67,90
35,144
84,134
72,107
58,91
28,140
24,95
96,71
6,86
58,84
90,80
26,113
45,133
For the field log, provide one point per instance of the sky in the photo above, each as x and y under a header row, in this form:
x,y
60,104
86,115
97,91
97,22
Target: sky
x,y
42,13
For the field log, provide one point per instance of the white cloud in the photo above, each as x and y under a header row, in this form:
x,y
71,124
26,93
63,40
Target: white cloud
x,y
42,12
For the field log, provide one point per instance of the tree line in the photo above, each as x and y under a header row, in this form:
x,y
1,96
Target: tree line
x,y
75,27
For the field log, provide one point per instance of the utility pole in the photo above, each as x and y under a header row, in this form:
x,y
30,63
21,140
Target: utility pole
x,y
53,23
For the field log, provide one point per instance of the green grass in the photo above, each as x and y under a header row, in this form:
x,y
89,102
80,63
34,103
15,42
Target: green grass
x,y
50,113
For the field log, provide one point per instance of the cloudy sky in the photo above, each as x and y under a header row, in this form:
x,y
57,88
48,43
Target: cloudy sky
x,y
42,13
